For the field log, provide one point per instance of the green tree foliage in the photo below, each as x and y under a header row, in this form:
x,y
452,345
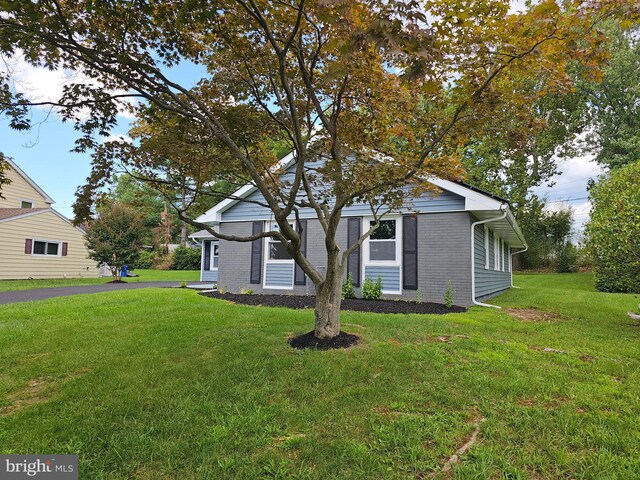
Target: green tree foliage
x,y
613,105
186,258
115,237
613,232
546,232
3,173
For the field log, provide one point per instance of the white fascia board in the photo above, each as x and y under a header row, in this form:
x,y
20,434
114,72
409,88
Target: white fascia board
x,y
472,200
214,213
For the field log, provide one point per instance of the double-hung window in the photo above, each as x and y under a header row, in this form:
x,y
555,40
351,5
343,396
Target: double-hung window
x,y
277,250
45,247
215,249
278,265
383,242
382,254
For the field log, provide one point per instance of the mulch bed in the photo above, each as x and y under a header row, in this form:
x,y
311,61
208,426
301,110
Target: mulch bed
x,y
117,281
309,340
356,305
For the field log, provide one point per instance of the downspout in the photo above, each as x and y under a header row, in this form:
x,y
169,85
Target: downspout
x,y
473,256
526,247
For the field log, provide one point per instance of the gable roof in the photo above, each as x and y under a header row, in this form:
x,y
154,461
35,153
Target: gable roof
x,y
483,204
28,179
10,214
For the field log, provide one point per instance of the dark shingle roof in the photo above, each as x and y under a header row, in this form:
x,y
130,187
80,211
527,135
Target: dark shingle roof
x,y
16,212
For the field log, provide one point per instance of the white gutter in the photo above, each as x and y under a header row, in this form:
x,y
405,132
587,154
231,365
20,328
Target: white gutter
x,y
473,256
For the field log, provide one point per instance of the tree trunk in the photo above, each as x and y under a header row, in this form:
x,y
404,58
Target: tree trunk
x,y
183,235
328,300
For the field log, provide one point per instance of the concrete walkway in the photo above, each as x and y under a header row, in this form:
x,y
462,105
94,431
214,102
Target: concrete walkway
x,y
44,293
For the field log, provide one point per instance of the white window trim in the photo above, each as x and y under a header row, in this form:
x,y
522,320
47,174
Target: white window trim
x,y
502,250
487,249
383,263
496,252
267,261
212,256
44,255
32,202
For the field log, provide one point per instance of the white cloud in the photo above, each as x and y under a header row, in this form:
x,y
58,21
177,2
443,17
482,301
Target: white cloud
x,y
570,188
118,137
40,84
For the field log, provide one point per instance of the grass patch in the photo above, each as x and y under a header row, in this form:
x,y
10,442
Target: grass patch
x,y
145,276
176,385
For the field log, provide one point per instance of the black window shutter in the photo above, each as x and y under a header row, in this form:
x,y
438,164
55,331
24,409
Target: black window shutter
x,y
207,255
256,254
354,225
410,252
299,277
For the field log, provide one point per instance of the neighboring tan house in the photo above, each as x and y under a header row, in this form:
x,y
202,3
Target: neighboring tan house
x,y
35,240
462,237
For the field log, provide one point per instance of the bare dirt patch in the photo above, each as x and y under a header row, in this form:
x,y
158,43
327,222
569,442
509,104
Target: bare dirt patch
x,y
37,390
532,315
31,394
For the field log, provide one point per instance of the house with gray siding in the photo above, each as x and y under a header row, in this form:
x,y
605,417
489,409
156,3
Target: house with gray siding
x,y
458,235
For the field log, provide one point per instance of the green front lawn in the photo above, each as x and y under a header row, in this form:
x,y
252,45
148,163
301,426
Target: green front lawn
x,y
145,276
164,384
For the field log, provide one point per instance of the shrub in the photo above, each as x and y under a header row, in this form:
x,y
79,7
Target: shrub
x,y
145,260
348,290
186,258
613,232
448,295
115,237
246,291
567,259
372,290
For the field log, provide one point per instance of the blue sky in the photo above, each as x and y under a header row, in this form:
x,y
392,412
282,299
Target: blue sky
x,y
44,152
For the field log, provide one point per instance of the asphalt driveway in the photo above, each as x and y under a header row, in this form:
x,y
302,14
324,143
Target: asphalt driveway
x,y
44,293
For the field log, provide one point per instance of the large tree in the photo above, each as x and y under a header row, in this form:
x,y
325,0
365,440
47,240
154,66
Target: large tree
x,y
375,88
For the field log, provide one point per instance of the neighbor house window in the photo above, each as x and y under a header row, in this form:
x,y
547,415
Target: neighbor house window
x,y
383,242
496,253
26,204
486,247
42,247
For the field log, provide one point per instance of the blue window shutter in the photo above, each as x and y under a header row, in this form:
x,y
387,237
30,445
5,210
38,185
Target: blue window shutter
x,y
207,254
300,278
410,252
354,225
256,254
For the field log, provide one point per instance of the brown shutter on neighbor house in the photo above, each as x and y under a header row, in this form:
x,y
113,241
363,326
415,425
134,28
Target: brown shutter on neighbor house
x,y
354,226
410,252
65,249
207,254
256,254
27,246
299,277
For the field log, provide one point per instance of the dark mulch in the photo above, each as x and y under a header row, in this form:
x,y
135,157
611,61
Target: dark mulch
x,y
357,305
117,281
309,340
